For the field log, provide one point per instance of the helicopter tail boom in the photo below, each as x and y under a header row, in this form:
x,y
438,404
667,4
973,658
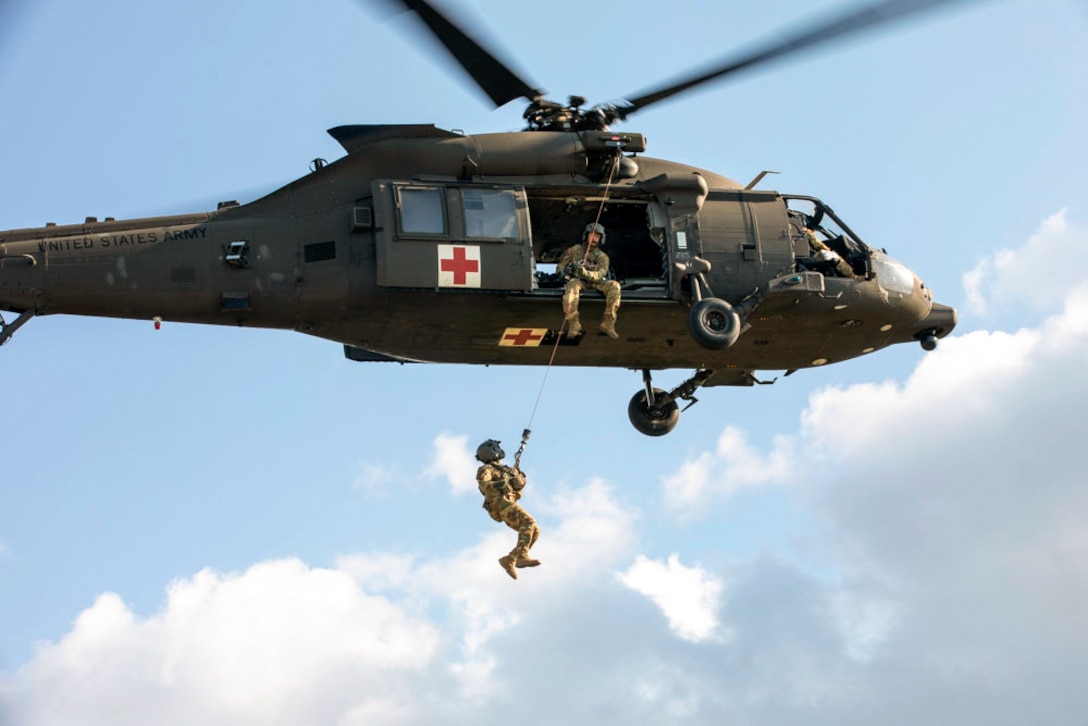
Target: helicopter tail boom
x,y
116,268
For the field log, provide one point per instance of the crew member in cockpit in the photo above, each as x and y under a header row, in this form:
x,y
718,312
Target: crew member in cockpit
x,y
822,252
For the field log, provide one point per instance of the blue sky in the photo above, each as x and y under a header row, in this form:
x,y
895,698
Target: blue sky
x,y
236,526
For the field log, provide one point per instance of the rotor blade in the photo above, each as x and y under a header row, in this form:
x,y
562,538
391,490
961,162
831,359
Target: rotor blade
x,y
493,76
822,32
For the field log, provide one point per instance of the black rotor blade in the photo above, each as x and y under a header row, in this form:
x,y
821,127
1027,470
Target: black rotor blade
x,y
822,32
500,83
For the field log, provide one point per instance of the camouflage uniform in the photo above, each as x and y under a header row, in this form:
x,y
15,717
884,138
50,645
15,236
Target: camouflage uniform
x,y
596,264
824,253
501,486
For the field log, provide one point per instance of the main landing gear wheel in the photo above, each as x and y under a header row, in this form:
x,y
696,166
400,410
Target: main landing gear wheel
x,y
656,420
654,412
713,323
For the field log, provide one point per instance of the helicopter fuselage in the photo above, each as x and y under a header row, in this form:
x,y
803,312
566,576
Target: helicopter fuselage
x,y
425,245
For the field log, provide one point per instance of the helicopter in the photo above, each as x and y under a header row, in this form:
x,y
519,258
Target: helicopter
x,y
427,245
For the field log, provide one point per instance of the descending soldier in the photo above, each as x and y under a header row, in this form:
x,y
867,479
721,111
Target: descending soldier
x,y
501,486
585,265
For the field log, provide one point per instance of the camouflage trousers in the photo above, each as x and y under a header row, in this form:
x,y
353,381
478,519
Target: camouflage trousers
x,y
573,293
517,518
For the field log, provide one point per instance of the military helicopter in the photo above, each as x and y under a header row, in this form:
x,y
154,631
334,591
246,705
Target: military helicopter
x,y
427,245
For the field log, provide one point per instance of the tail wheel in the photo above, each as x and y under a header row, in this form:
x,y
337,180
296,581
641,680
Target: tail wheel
x,y
713,323
656,420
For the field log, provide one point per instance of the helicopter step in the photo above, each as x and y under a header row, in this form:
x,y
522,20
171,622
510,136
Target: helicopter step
x,y
640,292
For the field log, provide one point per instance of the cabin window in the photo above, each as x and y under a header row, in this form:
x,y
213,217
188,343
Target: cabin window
x,y
490,213
421,210
424,230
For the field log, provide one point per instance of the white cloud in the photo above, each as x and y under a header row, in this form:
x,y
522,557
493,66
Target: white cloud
x,y
957,503
1039,274
396,638
594,532
477,594
689,597
595,529
962,381
381,572
279,643
733,465
455,462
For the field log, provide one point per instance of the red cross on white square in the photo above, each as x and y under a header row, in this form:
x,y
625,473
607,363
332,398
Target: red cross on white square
x,y
458,266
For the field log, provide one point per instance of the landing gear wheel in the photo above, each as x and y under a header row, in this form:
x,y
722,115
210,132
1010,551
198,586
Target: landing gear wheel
x,y
653,421
713,323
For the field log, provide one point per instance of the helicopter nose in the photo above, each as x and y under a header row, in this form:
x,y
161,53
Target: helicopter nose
x,y
939,323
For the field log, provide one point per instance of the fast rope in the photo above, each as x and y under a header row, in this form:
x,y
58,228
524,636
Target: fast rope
x,y
600,208
562,328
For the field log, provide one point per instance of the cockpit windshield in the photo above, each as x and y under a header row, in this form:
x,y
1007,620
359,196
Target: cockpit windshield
x,y
893,275
822,242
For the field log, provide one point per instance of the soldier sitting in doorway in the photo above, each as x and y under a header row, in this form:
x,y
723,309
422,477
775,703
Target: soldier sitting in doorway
x,y
585,265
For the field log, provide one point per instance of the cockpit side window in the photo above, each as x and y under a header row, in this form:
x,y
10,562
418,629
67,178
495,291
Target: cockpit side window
x,y
822,242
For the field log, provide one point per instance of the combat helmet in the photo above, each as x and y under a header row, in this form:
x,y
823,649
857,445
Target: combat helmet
x,y
489,451
594,227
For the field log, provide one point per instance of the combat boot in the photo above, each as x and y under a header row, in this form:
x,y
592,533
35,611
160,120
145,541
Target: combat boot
x,y
507,563
527,562
608,326
575,327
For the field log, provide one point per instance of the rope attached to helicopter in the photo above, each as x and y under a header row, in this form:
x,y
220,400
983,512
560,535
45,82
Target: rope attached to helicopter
x,y
527,431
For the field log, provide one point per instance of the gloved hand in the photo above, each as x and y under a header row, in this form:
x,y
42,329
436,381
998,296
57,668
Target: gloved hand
x,y
590,275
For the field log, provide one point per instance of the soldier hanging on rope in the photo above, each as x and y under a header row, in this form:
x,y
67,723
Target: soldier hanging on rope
x,y
501,486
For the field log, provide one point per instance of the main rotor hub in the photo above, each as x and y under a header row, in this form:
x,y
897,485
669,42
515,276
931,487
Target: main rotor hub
x,y
545,115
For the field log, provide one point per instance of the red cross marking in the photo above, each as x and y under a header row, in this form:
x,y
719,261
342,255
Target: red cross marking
x,y
522,337
460,266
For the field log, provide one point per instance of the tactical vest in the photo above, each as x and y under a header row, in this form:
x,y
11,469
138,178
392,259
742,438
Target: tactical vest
x,y
498,493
